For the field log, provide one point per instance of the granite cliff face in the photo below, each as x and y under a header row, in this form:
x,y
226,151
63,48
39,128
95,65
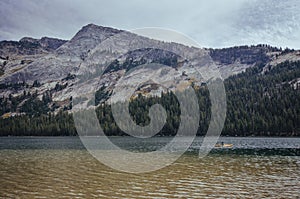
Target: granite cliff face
x,y
109,59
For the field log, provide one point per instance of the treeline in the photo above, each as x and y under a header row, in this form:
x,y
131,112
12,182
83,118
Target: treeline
x,y
247,54
60,124
139,110
260,102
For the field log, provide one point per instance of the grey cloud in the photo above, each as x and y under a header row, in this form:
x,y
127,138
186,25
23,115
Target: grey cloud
x,y
211,23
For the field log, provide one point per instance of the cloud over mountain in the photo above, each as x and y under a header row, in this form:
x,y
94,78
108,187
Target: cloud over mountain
x,y
211,23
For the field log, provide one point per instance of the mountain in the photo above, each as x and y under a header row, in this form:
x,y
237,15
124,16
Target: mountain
x,y
29,46
43,76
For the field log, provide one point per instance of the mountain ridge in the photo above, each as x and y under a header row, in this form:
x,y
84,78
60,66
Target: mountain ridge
x,y
79,56
41,82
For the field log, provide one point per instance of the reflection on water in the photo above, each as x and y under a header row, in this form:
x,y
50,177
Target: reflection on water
x,y
61,167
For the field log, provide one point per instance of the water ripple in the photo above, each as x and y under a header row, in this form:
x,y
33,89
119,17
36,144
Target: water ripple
x,y
74,173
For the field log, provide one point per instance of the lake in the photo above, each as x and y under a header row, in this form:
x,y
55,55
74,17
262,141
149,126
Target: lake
x,y
60,167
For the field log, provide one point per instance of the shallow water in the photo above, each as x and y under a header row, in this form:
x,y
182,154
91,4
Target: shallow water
x,y
61,167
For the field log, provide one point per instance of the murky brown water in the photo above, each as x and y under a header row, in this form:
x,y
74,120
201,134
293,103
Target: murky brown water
x,y
73,173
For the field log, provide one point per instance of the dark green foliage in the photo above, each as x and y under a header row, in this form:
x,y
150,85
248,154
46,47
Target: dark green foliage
x,y
264,104
36,83
14,86
45,125
114,66
101,95
287,50
243,54
59,87
69,77
26,103
2,71
11,103
130,64
34,107
139,109
142,56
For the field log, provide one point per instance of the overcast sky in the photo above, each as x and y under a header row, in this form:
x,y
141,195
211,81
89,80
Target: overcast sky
x,y
212,23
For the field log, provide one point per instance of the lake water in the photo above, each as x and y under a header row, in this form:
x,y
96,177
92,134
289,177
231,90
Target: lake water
x,y
60,167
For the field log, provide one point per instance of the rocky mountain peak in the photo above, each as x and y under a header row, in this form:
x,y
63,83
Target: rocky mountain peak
x,y
96,32
93,28
86,39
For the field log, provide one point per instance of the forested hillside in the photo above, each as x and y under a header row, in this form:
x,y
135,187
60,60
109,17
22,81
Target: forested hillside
x,y
263,101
